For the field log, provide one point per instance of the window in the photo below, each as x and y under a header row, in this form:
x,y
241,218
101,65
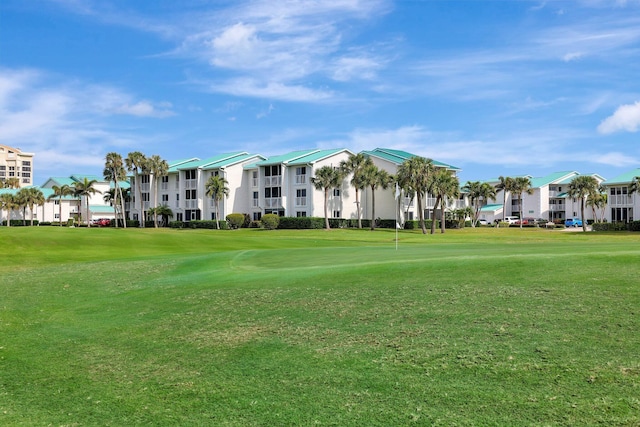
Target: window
x,y
336,192
165,179
215,173
257,216
336,214
254,178
26,163
56,202
301,213
271,192
165,197
301,193
301,175
190,194
177,196
190,174
144,179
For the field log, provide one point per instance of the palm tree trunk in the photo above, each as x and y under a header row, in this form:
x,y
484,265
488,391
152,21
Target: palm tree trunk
x,y
373,208
326,203
217,202
60,212
504,203
584,221
442,223
358,209
433,215
421,214
86,199
520,204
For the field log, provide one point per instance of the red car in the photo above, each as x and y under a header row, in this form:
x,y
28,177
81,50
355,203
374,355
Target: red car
x,y
526,221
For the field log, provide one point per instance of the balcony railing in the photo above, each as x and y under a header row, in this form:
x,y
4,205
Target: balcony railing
x,y
145,187
301,201
557,208
301,179
254,182
191,204
255,203
273,202
273,181
191,184
620,200
164,185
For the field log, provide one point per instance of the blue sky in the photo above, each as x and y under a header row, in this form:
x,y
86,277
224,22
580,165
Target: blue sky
x,y
494,87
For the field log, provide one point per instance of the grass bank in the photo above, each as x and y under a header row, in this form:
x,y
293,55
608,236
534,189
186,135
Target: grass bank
x,y
250,327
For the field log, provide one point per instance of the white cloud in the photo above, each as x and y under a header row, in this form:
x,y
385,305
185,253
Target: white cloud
x,y
145,109
625,118
66,123
271,90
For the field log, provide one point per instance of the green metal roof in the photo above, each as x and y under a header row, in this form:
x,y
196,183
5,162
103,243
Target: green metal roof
x,y
206,163
79,178
317,156
625,178
399,156
96,209
491,207
552,178
229,161
286,158
173,165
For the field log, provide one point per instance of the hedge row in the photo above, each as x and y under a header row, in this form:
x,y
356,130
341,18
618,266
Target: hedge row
x,y
616,226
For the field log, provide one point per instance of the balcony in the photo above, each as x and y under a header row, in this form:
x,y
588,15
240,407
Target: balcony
x,y
301,201
273,181
620,200
191,204
273,202
145,187
557,208
191,184
301,179
164,186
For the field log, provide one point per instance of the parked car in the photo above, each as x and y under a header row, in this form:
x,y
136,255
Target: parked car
x,y
509,219
573,222
102,222
526,221
483,222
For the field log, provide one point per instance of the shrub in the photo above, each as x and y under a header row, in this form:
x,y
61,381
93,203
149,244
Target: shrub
x,y
209,224
616,226
414,224
270,221
236,220
255,224
44,223
300,223
176,224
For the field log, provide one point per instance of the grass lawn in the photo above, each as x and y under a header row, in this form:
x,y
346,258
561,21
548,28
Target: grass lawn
x,y
476,327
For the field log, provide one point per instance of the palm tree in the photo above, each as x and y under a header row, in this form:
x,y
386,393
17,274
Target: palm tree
x,y
521,184
21,198
136,162
581,187
506,185
114,171
598,200
165,212
217,188
13,182
327,177
355,164
374,177
58,193
31,197
84,189
443,185
8,202
159,168
413,177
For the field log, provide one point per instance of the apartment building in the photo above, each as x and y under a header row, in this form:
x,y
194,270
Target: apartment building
x,y
620,202
282,185
16,164
386,205
549,199
75,207
183,189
